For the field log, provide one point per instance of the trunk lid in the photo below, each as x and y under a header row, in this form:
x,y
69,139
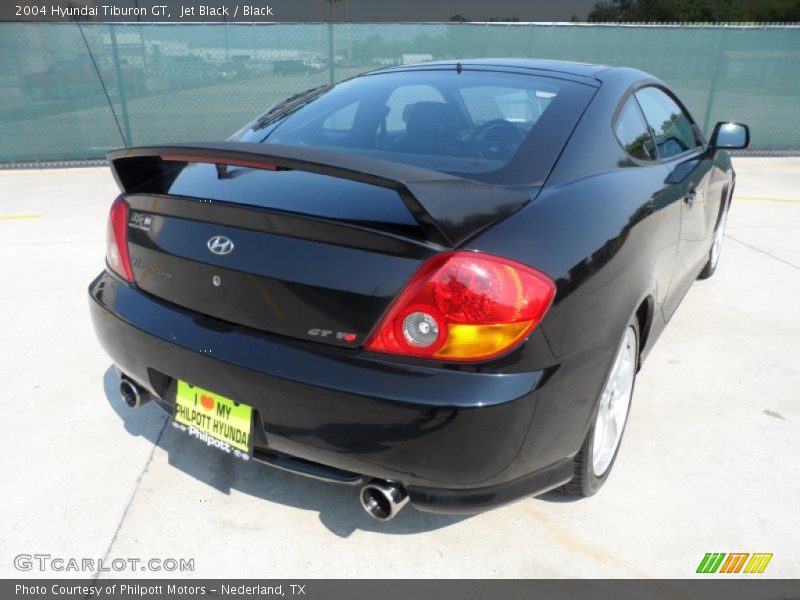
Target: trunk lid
x,y
309,253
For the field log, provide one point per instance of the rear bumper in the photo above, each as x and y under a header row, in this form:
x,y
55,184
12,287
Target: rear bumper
x,y
453,438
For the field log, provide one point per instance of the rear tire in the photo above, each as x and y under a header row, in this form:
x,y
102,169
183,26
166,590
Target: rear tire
x,y
716,246
596,458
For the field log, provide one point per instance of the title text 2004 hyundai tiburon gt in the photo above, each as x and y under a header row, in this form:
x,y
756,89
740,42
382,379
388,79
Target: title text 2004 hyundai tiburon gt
x,y
436,282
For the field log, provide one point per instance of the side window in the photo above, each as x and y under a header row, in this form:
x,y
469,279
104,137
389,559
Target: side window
x,y
672,128
632,132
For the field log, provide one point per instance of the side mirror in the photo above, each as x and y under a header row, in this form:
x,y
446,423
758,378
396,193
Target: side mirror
x,y
730,136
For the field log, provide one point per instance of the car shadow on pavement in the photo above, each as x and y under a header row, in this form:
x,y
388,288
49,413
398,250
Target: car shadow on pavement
x,y
559,497
338,506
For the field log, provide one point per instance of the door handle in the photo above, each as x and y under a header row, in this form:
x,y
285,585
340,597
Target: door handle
x,y
690,197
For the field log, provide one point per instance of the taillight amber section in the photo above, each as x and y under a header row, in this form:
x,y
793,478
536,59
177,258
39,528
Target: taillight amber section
x,y
464,306
471,342
117,240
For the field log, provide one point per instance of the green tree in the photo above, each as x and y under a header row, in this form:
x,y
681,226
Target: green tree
x,y
773,10
695,10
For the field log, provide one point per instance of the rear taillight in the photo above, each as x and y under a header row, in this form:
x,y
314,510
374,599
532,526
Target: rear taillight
x,y
117,240
464,306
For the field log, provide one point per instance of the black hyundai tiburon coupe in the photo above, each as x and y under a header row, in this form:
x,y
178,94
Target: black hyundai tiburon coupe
x,y
437,282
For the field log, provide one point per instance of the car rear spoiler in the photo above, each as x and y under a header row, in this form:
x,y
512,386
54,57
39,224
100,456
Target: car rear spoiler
x,y
449,209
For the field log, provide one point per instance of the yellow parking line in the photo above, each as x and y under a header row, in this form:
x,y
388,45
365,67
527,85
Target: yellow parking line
x,y
20,217
766,199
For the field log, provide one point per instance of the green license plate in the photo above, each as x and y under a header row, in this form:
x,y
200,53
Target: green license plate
x,y
214,419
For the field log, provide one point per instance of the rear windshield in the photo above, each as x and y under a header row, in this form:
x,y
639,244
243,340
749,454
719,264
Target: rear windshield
x,y
495,127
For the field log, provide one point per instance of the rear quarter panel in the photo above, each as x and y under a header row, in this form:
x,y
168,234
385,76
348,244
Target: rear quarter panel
x,y
606,231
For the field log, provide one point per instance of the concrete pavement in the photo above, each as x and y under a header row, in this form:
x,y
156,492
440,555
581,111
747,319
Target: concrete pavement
x,y
708,463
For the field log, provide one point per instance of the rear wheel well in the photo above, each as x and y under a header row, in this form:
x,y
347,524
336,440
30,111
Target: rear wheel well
x,y
644,315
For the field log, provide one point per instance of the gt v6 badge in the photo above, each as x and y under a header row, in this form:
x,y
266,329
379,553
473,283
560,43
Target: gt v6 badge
x,y
140,221
340,335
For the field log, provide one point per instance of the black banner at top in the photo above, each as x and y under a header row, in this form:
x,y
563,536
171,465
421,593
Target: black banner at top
x,y
288,11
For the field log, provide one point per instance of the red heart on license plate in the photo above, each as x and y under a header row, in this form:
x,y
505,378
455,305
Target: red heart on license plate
x,y
207,402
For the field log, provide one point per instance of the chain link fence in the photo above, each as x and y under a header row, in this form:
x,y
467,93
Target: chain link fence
x,y
72,91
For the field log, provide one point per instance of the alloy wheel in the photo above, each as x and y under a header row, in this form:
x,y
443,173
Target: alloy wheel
x,y
614,403
718,235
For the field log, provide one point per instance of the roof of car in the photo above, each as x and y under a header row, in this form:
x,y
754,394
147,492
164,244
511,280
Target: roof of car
x,y
558,66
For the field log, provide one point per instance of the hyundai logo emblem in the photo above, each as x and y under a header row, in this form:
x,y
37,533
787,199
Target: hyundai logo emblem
x,y
220,245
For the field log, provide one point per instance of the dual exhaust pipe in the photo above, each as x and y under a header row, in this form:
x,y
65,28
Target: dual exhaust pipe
x,y
381,499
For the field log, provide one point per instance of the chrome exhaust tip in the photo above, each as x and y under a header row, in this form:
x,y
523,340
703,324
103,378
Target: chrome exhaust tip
x,y
383,499
132,395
